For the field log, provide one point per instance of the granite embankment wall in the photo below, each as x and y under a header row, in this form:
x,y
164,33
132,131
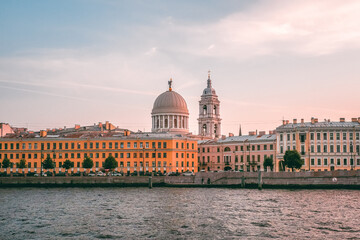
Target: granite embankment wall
x,y
334,179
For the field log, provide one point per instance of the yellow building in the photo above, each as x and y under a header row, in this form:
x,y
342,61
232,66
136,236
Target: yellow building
x,y
323,146
134,152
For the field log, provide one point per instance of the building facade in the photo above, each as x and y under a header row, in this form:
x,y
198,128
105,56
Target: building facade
x,y
143,152
323,146
238,153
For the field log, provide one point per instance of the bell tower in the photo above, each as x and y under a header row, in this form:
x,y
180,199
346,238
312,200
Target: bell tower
x,y
209,112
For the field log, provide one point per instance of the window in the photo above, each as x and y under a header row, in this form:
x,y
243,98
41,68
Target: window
x,y
345,162
288,137
331,148
351,136
97,145
294,137
265,147
281,149
128,145
325,148
121,155
318,136
344,148
78,146
312,148
331,161
127,155
331,136
135,144
164,155
312,162
325,136
110,145
281,137
271,147
338,148
357,136
338,162
54,145
344,136
85,146
258,147
318,148
141,145
319,162
337,136
311,136
103,145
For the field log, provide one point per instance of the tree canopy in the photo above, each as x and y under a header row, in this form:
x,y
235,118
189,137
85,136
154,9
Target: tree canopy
x,y
268,162
292,159
110,163
21,164
88,162
6,163
68,164
48,163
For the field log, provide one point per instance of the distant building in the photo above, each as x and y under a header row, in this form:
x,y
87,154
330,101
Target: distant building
x,y
324,146
209,120
239,153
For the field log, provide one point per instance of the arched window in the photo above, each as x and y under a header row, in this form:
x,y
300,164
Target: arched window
x,y
183,123
205,109
175,123
214,109
157,123
227,149
215,128
204,130
166,123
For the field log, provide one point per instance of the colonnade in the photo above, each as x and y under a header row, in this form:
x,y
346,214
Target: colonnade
x,y
170,122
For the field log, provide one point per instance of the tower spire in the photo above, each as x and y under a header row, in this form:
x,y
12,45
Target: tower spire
x,y
209,80
170,84
240,133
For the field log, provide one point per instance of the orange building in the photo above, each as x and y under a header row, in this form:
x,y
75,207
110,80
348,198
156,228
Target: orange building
x,y
134,152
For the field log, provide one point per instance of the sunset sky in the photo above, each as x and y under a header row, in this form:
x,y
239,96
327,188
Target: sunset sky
x,y
85,61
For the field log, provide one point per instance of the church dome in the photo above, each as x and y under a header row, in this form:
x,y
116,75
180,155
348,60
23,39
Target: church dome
x,y
170,102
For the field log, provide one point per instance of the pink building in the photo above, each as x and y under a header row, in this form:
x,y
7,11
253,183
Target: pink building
x,y
239,153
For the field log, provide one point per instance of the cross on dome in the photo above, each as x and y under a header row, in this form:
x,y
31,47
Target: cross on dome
x,y
170,84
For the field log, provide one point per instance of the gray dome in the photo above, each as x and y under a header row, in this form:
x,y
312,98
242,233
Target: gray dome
x,y
209,91
170,102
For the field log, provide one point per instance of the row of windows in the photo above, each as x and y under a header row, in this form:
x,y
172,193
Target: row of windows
x,y
324,136
345,148
339,162
90,145
92,155
253,148
228,158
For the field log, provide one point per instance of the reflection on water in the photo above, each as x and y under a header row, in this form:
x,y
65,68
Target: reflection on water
x,y
178,213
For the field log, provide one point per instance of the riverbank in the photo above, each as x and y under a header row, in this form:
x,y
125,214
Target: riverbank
x,y
267,180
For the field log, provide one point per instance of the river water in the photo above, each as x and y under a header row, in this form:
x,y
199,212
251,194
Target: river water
x,y
178,213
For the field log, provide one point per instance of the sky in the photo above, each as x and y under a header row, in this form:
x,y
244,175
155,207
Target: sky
x,y
87,61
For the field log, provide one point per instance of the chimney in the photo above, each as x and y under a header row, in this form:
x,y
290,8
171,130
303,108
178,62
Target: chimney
x,y
107,125
312,120
43,133
302,120
284,122
354,119
316,120
358,119
262,133
223,137
287,122
342,119
252,133
126,133
294,121
231,134
77,126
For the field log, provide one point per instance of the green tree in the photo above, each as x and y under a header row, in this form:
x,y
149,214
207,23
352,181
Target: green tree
x,y
110,163
268,162
87,163
67,165
48,163
292,159
21,164
6,163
